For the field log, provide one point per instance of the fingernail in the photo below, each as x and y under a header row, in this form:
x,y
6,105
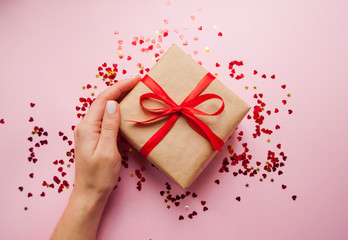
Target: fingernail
x,y
111,107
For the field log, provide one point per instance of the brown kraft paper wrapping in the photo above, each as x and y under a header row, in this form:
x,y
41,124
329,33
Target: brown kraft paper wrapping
x,y
183,153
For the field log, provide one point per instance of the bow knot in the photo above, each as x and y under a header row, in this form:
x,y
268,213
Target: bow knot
x,y
186,109
178,108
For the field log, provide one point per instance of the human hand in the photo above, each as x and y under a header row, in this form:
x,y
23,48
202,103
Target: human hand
x,y
98,161
97,167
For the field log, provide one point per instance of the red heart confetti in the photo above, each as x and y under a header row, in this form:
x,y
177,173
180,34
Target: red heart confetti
x,y
240,159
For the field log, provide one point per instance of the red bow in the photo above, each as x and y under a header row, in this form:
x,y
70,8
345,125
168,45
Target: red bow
x,y
186,109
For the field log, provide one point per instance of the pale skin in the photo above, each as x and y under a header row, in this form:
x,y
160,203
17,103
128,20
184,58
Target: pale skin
x,y
98,164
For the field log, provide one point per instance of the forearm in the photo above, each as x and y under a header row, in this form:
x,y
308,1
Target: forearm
x,y
81,218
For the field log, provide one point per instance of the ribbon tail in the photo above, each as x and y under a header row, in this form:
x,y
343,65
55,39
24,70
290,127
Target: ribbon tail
x,y
158,136
204,131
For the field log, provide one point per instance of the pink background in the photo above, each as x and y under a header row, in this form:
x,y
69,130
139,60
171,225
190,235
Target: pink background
x,y
50,49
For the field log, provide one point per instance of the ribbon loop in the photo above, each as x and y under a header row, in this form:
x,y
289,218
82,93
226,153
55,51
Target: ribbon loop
x,y
186,109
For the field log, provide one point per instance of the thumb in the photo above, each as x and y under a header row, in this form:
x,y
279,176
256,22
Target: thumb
x,y
110,125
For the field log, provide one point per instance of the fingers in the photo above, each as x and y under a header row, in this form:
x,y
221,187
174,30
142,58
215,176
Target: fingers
x,y
96,111
109,127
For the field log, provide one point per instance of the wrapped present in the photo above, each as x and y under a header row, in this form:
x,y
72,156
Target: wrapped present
x,y
179,115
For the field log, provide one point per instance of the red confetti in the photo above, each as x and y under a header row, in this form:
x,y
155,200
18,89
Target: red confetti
x,y
32,105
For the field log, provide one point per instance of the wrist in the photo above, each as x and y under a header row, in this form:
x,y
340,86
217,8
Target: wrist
x,y
89,199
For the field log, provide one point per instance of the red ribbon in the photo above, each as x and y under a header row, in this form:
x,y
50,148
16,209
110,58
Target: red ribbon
x,y
185,109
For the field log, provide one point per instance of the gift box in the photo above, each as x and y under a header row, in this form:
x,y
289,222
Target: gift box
x,y
179,116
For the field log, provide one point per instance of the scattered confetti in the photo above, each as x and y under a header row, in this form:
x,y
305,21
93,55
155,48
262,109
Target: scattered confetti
x,y
239,159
